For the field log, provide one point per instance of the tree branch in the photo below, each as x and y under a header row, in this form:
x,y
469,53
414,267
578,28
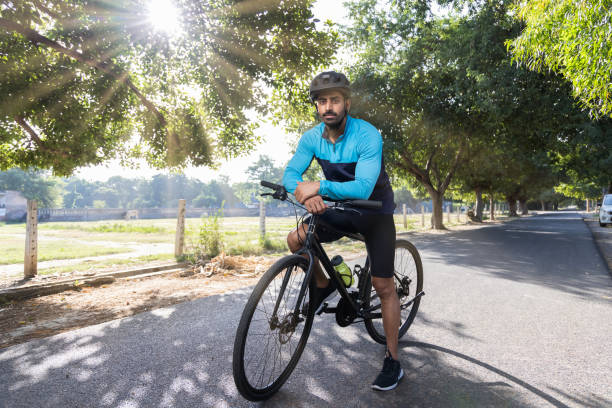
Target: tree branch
x,y
453,168
107,67
34,136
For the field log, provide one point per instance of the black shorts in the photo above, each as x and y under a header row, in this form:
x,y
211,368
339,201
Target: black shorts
x,y
377,229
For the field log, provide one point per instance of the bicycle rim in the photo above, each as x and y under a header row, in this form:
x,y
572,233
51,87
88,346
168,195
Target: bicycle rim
x,y
408,274
267,345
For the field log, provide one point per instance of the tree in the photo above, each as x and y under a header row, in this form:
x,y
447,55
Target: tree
x,y
404,83
265,169
80,78
571,37
34,185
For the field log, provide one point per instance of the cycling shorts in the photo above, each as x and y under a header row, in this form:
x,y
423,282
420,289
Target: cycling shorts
x,y
377,229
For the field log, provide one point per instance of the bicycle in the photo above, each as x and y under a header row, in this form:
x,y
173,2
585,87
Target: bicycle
x,y
276,323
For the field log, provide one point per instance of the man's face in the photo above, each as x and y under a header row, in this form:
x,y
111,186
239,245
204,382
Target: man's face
x,y
332,107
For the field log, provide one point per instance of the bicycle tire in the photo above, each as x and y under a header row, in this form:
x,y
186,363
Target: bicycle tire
x,y
411,267
260,343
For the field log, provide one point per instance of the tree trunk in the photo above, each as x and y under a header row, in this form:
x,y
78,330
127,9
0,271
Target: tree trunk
x,y
437,212
610,187
523,206
543,204
491,207
512,207
479,205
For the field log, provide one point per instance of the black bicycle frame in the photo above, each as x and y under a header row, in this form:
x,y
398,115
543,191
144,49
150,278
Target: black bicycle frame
x,y
315,250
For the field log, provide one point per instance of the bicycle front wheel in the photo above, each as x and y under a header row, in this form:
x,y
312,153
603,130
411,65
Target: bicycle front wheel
x,y
408,276
271,336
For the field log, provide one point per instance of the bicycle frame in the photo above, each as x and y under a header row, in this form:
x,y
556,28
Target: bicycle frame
x,y
313,248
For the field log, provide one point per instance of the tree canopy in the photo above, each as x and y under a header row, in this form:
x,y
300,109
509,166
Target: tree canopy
x,y
572,37
86,80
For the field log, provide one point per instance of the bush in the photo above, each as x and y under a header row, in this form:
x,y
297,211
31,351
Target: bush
x,y
270,245
209,243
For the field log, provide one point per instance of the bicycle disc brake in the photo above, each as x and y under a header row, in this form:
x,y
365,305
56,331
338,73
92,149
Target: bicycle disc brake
x,y
286,328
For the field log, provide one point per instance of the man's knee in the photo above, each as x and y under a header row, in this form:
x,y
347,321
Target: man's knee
x,y
385,287
293,241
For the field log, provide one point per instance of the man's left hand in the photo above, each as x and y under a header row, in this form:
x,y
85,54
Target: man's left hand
x,y
305,190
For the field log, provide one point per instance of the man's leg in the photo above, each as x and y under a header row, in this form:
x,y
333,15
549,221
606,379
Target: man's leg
x,y
390,308
294,241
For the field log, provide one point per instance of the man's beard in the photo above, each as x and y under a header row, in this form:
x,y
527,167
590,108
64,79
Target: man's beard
x,y
338,123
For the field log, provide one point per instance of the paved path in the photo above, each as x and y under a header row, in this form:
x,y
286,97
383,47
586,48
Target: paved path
x,y
515,315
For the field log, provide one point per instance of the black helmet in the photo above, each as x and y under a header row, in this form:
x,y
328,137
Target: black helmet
x,y
329,80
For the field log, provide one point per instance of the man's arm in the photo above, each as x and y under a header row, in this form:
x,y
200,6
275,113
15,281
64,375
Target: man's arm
x,y
298,164
367,171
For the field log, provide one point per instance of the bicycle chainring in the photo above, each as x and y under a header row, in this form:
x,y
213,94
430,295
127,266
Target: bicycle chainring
x,y
345,314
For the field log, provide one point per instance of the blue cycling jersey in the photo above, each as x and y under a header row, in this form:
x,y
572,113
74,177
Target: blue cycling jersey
x,y
353,166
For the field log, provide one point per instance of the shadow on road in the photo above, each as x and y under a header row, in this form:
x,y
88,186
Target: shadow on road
x,y
180,356
548,250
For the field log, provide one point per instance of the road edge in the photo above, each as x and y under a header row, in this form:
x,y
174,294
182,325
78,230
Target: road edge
x,y
603,243
42,289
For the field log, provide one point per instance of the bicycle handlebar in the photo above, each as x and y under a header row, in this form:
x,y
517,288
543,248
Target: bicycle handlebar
x,y
369,204
271,185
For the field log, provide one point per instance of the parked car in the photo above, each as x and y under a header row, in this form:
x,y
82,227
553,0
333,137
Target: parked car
x,y
605,211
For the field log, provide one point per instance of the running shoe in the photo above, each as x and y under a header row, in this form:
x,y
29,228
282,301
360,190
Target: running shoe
x,y
390,375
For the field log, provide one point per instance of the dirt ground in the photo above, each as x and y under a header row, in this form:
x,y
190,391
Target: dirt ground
x,y
52,314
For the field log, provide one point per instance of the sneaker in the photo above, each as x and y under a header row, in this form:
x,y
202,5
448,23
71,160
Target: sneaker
x,y
321,294
390,375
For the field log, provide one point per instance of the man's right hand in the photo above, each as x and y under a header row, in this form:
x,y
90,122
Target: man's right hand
x,y
315,205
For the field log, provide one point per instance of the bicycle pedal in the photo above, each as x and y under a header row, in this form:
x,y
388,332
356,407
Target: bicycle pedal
x,y
322,309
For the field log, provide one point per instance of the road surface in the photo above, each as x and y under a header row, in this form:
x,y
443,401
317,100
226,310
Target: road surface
x,y
517,314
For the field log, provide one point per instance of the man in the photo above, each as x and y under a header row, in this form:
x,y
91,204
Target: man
x,y
349,151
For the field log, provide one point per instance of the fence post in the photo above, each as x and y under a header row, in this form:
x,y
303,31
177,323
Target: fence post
x,y
30,260
179,241
423,216
262,220
405,220
459,215
448,211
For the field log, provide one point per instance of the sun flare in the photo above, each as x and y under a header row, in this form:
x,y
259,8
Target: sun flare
x,y
164,16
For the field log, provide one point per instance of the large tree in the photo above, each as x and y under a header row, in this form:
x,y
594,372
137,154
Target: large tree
x,y
86,80
572,37
34,185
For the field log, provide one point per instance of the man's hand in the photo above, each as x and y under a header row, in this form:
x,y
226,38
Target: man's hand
x,y
315,205
305,190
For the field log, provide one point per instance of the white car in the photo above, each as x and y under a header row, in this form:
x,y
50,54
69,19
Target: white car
x,y
605,212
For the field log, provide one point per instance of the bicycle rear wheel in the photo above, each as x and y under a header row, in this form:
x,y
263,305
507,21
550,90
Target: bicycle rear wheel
x,y
268,345
408,273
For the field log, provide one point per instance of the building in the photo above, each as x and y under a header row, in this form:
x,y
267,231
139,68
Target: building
x,y
13,206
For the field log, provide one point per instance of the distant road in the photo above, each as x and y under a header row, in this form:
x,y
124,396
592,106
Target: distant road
x,y
516,314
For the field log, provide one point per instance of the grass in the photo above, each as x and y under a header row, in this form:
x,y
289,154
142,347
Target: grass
x,y
124,227
13,250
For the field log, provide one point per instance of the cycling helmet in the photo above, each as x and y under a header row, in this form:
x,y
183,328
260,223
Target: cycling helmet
x,y
329,80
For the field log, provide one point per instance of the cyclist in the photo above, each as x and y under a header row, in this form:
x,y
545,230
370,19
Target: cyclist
x,y
349,151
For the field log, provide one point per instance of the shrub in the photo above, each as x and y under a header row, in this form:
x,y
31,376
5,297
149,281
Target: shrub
x,y
209,243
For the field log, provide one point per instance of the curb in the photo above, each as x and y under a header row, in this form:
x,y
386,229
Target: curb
x,y
43,289
603,244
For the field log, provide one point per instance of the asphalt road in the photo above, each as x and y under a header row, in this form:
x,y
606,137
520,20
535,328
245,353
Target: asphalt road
x,y
518,314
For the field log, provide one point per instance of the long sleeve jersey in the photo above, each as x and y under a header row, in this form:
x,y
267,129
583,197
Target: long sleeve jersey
x,y
353,166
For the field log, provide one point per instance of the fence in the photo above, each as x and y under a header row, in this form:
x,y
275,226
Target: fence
x,y
97,214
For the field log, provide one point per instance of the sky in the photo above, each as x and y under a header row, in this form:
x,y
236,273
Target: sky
x,y
276,143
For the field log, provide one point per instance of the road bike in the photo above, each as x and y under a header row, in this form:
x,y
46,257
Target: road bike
x,y
278,316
